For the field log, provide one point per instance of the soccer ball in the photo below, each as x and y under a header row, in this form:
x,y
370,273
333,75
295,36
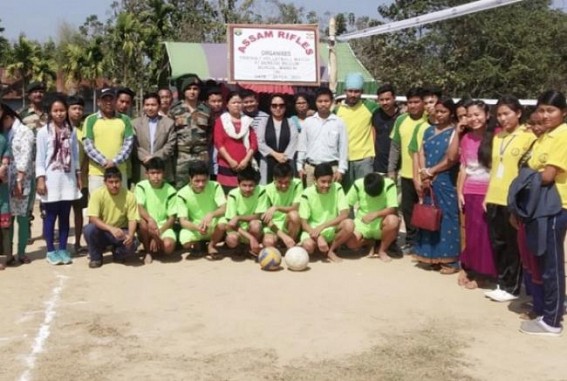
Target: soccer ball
x,y
270,259
296,259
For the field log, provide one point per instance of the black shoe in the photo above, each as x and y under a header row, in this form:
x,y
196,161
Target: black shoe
x,y
95,264
395,251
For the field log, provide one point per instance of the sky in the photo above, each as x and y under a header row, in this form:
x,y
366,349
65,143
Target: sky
x,y
39,19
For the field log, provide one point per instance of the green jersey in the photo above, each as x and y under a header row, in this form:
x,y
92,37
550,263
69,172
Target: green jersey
x,y
194,206
238,205
366,204
158,202
285,199
318,208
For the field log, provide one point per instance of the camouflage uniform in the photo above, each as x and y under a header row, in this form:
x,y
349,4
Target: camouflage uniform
x,y
32,119
193,131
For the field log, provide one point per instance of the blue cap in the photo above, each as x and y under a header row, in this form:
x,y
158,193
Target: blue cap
x,y
354,81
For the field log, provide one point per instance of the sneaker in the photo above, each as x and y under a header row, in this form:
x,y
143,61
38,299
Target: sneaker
x,y
501,296
491,293
95,264
540,328
53,258
65,257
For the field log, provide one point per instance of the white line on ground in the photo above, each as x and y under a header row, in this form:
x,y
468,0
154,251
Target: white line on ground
x,y
44,329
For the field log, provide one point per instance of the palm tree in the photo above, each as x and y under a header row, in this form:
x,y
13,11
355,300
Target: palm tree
x,y
25,56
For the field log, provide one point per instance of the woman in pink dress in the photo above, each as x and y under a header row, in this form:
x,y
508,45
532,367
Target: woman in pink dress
x,y
477,260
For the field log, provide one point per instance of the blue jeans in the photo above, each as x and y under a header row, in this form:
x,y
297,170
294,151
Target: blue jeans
x,y
99,240
552,265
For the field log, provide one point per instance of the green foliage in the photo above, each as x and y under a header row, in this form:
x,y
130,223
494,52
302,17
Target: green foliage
x,y
512,49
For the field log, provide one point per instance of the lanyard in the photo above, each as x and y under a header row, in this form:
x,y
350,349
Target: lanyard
x,y
503,147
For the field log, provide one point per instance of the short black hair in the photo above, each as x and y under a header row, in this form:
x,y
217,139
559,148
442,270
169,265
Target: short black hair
x,y
248,174
112,173
245,93
373,184
155,163
214,91
323,91
414,92
125,90
198,167
282,170
323,169
151,95
75,100
386,88
431,91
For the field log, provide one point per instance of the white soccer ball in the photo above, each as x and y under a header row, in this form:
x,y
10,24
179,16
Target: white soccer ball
x,y
296,259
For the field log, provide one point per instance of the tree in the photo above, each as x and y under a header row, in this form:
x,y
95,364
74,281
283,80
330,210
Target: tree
x,y
25,56
5,48
482,55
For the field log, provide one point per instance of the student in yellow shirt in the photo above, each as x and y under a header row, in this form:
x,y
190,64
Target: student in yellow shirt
x,y
549,157
508,146
402,134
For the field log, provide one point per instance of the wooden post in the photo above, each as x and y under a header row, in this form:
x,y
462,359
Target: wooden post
x,y
332,56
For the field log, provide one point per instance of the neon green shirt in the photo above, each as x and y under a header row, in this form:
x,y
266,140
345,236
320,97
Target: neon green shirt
x,y
318,208
194,206
367,204
238,205
158,202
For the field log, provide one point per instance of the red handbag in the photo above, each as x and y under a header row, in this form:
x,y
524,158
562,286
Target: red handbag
x,y
427,217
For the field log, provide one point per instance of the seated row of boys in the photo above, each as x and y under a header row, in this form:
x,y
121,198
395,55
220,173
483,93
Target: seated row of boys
x,y
251,215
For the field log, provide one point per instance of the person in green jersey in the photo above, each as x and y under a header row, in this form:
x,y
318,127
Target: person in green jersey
x,y
280,206
242,221
377,214
200,205
323,210
157,209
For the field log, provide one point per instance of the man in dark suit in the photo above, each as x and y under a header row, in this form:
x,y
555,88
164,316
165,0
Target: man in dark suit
x,y
155,136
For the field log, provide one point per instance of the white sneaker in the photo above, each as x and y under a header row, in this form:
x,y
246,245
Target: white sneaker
x,y
489,294
502,296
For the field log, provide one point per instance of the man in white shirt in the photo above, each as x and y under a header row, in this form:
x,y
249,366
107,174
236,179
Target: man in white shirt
x,y
323,139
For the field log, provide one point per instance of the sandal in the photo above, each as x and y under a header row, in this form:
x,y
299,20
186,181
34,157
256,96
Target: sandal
x,y
24,259
448,270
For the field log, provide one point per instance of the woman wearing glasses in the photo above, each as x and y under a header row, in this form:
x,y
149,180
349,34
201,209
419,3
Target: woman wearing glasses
x,y
277,139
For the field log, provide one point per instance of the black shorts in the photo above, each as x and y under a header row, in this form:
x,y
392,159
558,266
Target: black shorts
x,y
83,202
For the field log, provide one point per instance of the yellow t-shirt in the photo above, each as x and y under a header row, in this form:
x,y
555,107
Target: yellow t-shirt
x,y
108,136
403,133
114,210
551,149
507,149
358,121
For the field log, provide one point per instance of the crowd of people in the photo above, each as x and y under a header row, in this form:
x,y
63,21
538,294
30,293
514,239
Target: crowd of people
x,y
213,168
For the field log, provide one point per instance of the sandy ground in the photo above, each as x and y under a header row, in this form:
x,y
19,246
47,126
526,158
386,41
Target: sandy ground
x,y
228,320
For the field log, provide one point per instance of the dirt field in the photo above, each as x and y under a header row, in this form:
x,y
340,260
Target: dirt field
x,y
228,320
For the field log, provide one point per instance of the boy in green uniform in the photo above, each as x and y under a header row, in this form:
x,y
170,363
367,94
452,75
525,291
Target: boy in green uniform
x,y
200,205
157,208
377,215
242,220
113,217
323,210
280,206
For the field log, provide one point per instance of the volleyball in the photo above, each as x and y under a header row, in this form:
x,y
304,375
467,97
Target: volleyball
x,y
270,259
296,259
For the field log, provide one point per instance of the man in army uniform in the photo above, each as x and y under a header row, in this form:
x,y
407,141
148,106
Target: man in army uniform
x,y
34,115
192,128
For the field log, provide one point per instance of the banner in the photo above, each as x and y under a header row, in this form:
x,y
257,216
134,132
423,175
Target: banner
x,y
274,54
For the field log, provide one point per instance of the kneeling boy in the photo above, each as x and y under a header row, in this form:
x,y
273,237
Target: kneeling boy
x,y
377,217
200,205
113,216
323,210
157,209
242,220
279,207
